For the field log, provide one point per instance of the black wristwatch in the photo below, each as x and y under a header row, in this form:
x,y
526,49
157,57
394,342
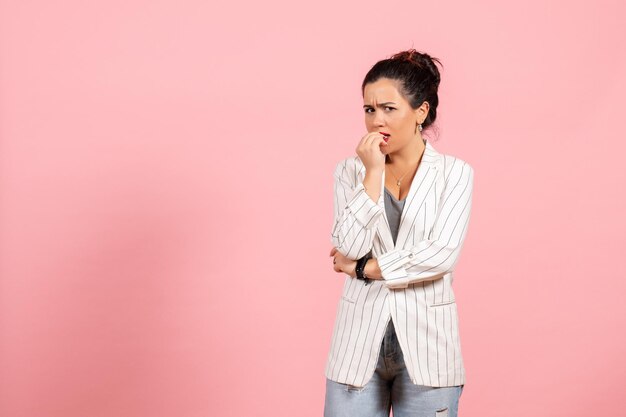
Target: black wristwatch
x,y
360,269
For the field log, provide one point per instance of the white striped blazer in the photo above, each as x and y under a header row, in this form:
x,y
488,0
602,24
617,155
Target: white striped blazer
x,y
416,289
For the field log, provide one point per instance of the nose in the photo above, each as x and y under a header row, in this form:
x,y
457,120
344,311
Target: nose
x,y
379,119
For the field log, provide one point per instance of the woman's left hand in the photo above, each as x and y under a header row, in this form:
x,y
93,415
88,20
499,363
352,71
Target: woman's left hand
x,y
343,264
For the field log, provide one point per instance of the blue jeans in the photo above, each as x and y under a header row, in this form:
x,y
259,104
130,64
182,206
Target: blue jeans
x,y
389,387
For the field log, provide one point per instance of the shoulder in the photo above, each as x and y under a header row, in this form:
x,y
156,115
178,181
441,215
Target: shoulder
x,y
349,168
456,167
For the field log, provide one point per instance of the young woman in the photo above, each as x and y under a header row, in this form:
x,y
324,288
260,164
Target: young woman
x,y
401,213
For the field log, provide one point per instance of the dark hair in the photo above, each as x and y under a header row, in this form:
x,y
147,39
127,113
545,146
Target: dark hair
x,y
417,76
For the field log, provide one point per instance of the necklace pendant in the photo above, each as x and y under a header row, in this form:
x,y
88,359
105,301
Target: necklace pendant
x,y
398,183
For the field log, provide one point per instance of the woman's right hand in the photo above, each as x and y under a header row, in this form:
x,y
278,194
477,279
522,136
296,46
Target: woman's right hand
x,y
369,151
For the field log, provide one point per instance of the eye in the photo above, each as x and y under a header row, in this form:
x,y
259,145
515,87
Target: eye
x,y
386,107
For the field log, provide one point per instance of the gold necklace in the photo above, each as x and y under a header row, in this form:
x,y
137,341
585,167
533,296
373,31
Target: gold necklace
x,y
399,180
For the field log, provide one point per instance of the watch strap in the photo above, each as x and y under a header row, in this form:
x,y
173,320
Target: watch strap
x,y
360,269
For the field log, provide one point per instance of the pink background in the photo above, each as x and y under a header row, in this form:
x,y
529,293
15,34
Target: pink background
x,y
166,200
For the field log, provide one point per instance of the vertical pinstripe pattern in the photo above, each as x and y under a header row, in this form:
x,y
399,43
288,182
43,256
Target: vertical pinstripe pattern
x,y
418,270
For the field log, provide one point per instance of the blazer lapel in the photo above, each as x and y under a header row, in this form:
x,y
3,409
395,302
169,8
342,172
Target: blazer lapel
x,y
428,178
383,229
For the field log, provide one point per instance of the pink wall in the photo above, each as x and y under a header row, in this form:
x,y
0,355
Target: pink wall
x,y
148,150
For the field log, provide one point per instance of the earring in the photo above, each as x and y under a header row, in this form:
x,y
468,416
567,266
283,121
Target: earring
x,y
419,127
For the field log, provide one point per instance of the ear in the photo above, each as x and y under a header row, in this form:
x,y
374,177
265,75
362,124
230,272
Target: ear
x,y
422,111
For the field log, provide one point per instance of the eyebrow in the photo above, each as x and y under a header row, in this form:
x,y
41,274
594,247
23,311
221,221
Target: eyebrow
x,y
380,104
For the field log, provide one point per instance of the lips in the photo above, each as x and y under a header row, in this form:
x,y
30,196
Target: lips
x,y
386,136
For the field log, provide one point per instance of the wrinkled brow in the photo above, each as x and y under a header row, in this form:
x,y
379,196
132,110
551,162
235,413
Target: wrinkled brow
x,y
380,104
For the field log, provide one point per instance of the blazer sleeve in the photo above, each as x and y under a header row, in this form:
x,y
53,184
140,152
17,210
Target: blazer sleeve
x,y
434,257
355,213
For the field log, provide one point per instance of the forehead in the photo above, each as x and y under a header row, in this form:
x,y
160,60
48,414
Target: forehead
x,y
381,91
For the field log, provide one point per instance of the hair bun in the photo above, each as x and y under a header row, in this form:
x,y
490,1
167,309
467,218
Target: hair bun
x,y
409,55
421,60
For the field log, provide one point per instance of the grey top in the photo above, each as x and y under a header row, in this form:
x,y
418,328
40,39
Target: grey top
x,y
393,209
